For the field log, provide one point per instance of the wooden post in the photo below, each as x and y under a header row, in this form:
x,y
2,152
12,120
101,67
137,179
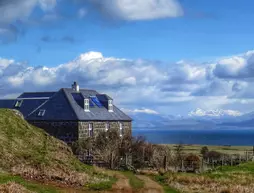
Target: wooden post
x,y
126,159
111,162
202,164
165,163
231,161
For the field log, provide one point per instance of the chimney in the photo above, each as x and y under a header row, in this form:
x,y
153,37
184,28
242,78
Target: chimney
x,y
75,87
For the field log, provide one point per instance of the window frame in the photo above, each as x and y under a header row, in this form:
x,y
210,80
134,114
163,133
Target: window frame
x,y
90,130
107,126
110,106
121,129
18,103
41,113
86,105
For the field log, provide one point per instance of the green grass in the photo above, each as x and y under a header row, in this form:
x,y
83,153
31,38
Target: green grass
x,y
135,182
162,181
23,143
195,149
32,186
107,185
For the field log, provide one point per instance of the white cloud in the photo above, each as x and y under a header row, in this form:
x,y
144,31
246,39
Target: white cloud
x,y
236,67
143,110
135,83
140,9
16,10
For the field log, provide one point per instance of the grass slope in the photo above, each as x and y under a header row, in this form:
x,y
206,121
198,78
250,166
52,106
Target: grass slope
x,y
31,153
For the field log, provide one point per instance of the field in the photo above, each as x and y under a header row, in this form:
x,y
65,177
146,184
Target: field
x,y
230,150
224,179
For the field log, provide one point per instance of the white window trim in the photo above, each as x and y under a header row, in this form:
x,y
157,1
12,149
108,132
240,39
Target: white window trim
x,y
121,129
86,106
110,106
90,128
41,113
18,103
106,126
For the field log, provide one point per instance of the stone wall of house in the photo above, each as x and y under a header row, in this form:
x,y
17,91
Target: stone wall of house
x,y
83,128
64,130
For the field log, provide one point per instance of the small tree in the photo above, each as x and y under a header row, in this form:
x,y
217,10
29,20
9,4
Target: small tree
x,y
179,155
204,151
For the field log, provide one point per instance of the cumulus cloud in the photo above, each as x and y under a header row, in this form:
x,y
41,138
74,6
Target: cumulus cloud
x,y
138,9
236,67
136,83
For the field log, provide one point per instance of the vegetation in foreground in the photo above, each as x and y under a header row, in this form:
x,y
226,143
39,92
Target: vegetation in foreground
x,y
8,181
134,181
31,153
228,179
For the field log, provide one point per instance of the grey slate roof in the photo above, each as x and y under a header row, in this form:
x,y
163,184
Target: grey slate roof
x,y
36,94
62,106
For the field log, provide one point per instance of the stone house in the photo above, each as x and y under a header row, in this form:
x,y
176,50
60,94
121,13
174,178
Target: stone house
x,y
70,113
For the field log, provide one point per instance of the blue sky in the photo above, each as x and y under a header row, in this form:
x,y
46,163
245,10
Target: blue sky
x,y
177,52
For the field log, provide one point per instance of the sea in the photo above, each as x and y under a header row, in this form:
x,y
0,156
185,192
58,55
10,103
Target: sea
x,y
218,136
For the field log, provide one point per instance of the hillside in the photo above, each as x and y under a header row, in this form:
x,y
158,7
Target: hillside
x,y
31,153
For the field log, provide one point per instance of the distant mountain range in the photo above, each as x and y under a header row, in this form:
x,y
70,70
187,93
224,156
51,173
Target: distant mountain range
x,y
196,119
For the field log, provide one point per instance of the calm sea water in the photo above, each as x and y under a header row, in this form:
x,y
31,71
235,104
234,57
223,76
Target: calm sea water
x,y
238,137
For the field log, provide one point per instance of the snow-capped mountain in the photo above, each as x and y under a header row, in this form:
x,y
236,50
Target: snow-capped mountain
x,y
217,113
197,118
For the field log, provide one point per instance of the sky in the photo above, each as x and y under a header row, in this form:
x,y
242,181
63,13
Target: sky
x,y
152,56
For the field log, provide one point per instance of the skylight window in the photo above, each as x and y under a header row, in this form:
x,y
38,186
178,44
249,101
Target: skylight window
x,y
41,113
18,103
96,101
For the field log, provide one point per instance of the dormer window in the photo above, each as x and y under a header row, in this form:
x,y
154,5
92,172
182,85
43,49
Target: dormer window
x,y
110,105
41,113
86,106
18,103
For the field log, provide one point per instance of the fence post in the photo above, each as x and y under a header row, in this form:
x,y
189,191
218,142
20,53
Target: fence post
x,y
165,163
111,161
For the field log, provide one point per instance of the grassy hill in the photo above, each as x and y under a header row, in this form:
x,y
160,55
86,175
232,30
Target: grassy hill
x,y
31,153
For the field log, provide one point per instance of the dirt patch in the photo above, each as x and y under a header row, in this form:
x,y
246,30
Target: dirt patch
x,y
122,185
12,187
150,186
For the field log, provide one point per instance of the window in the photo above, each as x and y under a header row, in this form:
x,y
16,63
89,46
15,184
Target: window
x,y
18,103
41,113
107,126
121,129
90,128
110,106
86,105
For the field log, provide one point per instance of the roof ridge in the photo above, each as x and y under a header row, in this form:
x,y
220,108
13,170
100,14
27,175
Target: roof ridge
x,y
40,92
